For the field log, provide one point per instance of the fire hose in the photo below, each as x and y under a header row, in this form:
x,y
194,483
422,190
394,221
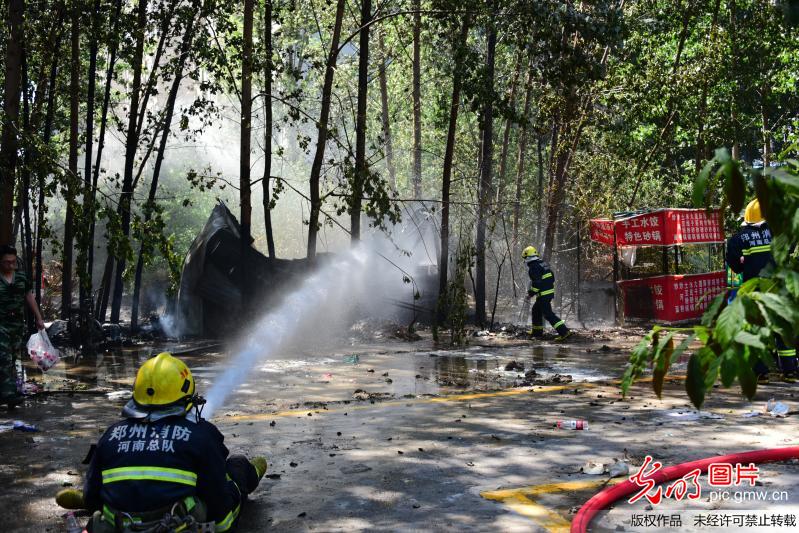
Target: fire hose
x,y
605,498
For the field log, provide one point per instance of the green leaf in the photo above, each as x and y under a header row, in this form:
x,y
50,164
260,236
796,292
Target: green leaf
x,y
700,184
786,179
662,361
729,367
779,306
638,360
746,375
791,278
702,333
734,186
722,156
695,380
744,337
713,309
729,322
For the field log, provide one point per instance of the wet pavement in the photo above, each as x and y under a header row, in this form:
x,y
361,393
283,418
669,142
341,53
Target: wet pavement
x,y
388,435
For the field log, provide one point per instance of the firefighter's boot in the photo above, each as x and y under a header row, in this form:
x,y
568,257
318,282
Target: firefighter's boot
x,y
70,499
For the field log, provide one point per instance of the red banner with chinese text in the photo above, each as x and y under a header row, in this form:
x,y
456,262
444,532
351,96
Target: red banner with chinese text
x,y
602,230
671,298
664,227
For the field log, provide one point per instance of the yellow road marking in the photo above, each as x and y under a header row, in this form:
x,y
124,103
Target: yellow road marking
x,y
439,399
521,500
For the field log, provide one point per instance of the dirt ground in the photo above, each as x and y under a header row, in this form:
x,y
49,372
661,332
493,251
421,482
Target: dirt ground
x,y
381,434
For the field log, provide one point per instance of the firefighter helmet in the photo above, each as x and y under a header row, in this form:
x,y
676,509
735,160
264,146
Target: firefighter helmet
x,y
752,215
528,252
162,381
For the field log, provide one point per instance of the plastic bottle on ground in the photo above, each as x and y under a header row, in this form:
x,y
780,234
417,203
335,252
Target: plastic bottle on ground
x,y
572,424
73,526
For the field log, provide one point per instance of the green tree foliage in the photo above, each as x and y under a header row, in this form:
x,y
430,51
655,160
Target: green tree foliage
x,y
735,334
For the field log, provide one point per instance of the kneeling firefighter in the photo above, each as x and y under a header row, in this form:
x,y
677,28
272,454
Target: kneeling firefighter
x,y
164,468
542,286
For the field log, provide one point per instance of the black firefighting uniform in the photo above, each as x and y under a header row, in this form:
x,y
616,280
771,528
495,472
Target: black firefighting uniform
x,y
542,286
753,243
139,467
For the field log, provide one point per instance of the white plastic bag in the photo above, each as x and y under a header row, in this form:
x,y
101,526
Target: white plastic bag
x,y
42,351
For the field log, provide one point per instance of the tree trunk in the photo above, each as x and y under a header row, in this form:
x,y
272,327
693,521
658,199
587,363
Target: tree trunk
x,y
245,196
86,241
268,124
521,160
149,207
46,135
700,135
417,102
131,144
540,196
102,303
392,173
734,60
764,94
26,178
360,125
443,261
503,155
486,169
321,141
557,184
72,176
9,141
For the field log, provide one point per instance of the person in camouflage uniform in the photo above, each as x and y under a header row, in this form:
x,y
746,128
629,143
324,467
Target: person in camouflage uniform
x,y
15,290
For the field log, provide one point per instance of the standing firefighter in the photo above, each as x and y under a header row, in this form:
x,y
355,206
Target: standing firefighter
x,y
748,253
542,286
15,291
164,468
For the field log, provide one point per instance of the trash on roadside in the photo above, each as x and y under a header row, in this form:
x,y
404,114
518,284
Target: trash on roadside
x,y
571,424
593,469
775,408
42,351
118,395
352,359
619,468
29,388
751,414
19,425
328,375
482,333
688,415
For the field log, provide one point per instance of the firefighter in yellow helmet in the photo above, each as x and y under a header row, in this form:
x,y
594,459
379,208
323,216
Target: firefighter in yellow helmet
x,y
749,253
164,466
542,286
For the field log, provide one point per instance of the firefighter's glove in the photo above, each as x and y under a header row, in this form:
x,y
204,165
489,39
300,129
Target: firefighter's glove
x,y
70,499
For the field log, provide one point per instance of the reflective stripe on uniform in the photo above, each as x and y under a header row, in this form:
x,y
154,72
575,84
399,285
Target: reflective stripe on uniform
x,y
758,249
227,522
547,275
558,324
534,289
546,293
151,473
787,353
538,327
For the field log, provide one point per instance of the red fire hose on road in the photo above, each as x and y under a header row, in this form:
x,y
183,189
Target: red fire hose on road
x,y
604,499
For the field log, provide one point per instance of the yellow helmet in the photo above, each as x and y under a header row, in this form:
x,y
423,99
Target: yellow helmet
x,y
163,382
530,251
752,215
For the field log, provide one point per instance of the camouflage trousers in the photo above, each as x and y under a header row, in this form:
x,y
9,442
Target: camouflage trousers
x,y
10,349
